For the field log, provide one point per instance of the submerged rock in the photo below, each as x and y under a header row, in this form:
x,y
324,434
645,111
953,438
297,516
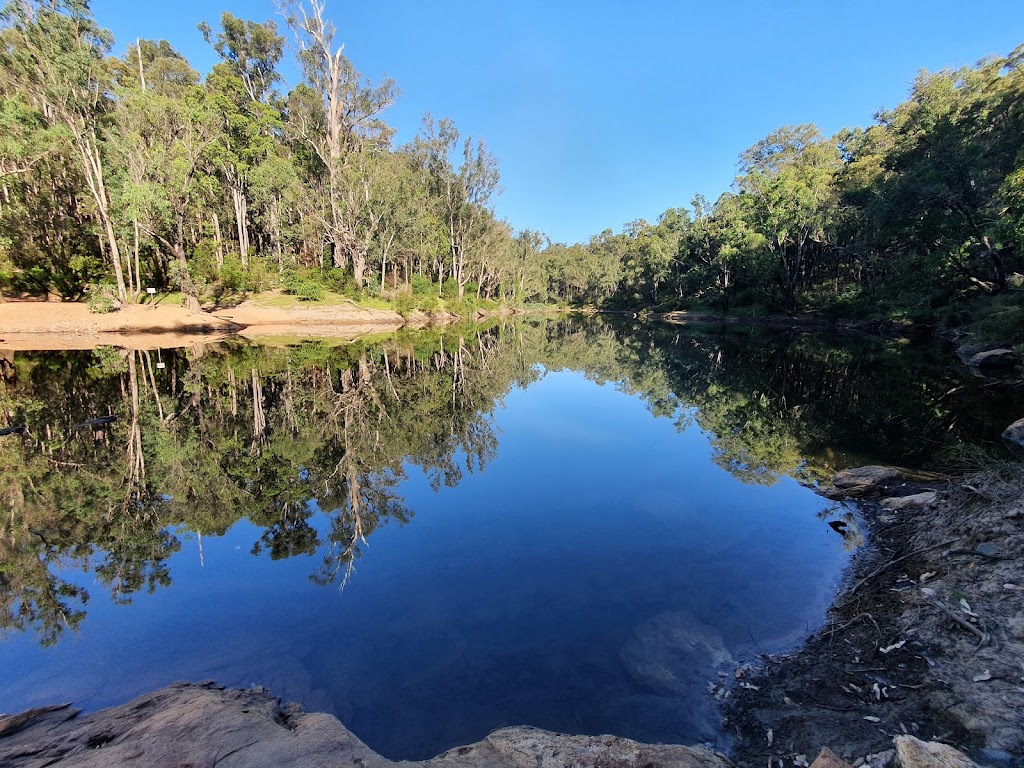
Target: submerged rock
x,y
673,653
205,725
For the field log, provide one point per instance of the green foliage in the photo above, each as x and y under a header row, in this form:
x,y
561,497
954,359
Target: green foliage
x,y
421,286
101,298
405,303
450,289
305,284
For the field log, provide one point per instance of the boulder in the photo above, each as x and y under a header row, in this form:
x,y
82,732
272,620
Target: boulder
x,y
915,501
995,360
914,753
865,480
205,724
1014,435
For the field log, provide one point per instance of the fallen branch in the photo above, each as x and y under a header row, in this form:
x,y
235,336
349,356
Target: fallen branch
x,y
983,636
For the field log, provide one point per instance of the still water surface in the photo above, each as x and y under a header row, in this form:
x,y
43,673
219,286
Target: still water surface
x,y
546,530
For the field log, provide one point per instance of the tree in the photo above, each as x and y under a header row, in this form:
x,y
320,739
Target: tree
x,y
790,174
337,116
55,54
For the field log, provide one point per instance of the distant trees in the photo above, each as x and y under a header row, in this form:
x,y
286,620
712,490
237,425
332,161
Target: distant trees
x,y
917,212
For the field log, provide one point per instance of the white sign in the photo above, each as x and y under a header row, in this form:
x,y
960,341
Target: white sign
x,y
151,291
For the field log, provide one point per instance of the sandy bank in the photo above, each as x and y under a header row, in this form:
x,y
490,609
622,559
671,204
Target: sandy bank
x,y
70,325
54,325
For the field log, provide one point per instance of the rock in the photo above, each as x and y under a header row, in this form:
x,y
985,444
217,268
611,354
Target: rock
x,y
1014,435
523,747
966,351
995,360
865,480
203,725
673,653
829,759
914,753
916,501
988,549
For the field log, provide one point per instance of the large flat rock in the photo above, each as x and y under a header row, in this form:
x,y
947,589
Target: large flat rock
x,y
205,725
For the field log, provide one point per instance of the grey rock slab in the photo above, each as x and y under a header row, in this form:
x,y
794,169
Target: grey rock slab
x,y
915,501
865,479
205,725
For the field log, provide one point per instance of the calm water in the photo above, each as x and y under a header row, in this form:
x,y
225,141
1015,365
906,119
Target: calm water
x,y
437,535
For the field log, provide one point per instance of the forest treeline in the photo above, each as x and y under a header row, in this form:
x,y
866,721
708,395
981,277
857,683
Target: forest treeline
x,y
910,217
118,174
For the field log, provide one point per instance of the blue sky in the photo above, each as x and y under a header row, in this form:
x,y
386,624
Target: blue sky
x,y
608,111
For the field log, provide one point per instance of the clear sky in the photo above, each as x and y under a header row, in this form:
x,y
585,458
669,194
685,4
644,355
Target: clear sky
x,y
606,111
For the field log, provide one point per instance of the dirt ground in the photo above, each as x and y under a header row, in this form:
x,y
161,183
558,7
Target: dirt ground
x,y
926,638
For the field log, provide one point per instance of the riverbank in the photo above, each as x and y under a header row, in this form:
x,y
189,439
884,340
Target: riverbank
x,y
803,322
56,325
925,638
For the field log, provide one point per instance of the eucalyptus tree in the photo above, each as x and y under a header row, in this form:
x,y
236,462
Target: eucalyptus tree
x,y
336,114
464,192
240,89
164,129
55,55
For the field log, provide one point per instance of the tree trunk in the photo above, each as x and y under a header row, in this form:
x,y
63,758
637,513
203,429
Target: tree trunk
x,y
220,242
238,200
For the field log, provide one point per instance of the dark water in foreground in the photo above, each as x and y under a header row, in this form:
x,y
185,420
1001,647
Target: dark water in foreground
x,y
564,525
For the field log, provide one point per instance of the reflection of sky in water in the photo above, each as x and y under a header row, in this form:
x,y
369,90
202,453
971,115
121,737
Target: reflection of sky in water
x,y
507,600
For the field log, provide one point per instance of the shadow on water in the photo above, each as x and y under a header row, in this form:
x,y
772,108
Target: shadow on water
x,y
607,517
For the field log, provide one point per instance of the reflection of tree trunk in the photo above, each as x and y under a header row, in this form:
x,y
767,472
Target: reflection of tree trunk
x,y
136,461
233,389
152,381
259,416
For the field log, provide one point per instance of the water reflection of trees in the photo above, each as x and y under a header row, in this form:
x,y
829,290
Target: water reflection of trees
x,y
780,403
206,437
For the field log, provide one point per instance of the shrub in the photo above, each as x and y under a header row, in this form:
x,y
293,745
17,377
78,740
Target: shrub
x,y
304,285
404,303
101,298
450,289
422,286
429,302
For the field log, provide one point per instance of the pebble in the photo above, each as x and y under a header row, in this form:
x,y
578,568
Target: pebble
x,y
987,548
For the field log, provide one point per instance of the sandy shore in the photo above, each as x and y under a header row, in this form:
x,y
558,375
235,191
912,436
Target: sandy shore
x,y
42,325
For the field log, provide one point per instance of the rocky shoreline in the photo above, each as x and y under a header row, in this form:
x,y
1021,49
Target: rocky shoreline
x,y
204,724
926,638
